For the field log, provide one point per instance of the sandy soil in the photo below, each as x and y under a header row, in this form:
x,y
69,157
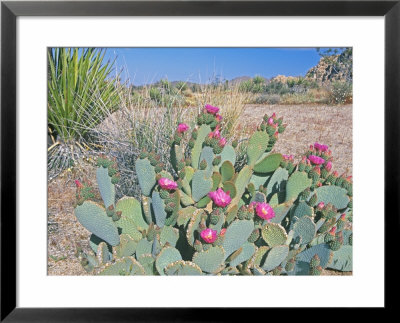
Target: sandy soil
x,y
306,124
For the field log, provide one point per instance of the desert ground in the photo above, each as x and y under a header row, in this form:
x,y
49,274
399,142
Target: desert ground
x,y
330,125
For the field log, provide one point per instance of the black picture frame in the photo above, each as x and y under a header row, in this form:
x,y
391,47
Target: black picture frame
x,y
10,10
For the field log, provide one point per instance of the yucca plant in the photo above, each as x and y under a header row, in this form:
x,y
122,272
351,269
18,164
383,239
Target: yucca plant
x,y
80,91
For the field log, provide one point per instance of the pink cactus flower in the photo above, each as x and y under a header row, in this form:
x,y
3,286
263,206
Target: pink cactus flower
x,y
182,127
276,134
78,184
222,232
209,235
343,217
335,173
167,184
215,134
220,198
332,231
218,117
317,170
319,184
320,205
311,147
273,116
222,142
211,109
304,159
348,178
320,147
328,166
265,211
316,160
270,121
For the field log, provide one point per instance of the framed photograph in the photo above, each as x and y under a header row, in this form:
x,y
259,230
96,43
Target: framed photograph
x,y
208,142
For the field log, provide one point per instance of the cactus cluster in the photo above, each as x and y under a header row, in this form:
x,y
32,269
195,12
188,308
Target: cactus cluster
x,y
271,217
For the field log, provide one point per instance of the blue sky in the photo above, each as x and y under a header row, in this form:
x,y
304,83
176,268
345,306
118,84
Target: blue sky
x,y
148,65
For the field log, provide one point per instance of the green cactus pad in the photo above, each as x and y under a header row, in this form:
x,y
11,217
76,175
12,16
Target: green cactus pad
x,y
143,247
186,200
146,175
258,143
203,202
248,250
208,155
216,178
230,186
202,133
236,235
259,256
302,209
277,183
201,184
185,214
103,254
335,195
274,200
193,225
176,155
136,268
275,257
94,218
296,184
189,172
147,261
274,234
228,153
106,188
303,259
146,208
268,164
259,179
305,228
281,211
123,266
257,271
259,197
166,256
158,209
210,260
231,214
131,208
342,259
127,246
227,171
94,242
219,224
182,268
170,235
241,182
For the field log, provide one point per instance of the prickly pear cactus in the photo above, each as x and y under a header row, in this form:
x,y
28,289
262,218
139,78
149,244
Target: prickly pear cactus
x,y
270,216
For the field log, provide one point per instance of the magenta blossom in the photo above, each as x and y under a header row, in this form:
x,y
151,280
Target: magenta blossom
x,y
220,198
316,160
211,109
270,121
320,205
209,235
265,211
320,147
78,184
182,127
328,166
167,184
222,142
218,117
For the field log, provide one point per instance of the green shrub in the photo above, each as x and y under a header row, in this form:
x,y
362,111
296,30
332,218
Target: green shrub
x,y
341,92
77,82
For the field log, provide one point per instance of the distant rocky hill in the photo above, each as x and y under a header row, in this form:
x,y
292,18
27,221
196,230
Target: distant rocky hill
x,y
333,68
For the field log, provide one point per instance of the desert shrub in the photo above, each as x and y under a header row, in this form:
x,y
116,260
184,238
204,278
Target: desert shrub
x,y
155,94
81,93
267,99
181,86
341,92
266,216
